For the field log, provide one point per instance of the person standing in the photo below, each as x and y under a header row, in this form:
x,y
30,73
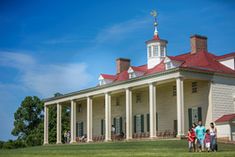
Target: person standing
x,y
200,134
68,136
113,132
191,139
195,139
65,136
213,135
208,140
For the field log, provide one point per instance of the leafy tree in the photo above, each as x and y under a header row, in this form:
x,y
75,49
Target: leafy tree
x,y
28,124
65,121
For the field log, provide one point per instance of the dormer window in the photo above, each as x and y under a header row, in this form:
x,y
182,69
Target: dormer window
x,y
132,75
135,72
171,62
102,82
169,65
105,79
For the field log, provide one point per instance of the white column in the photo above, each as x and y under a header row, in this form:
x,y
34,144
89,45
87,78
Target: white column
x,y
73,122
128,114
152,110
89,119
180,106
45,125
58,124
107,117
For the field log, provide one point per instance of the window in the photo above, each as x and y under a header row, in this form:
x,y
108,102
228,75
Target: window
x,y
174,91
194,87
162,51
194,115
138,98
102,82
155,51
150,51
117,122
80,129
132,75
139,123
117,101
79,107
168,65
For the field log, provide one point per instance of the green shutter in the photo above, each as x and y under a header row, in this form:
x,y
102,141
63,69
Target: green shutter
x,y
121,124
81,128
102,127
148,123
156,121
142,123
175,125
199,113
76,129
190,117
114,123
134,124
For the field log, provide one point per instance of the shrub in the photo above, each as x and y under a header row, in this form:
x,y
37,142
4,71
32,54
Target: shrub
x,y
13,144
1,144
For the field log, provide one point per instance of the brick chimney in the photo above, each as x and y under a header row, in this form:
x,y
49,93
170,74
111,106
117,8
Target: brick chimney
x,y
198,43
122,64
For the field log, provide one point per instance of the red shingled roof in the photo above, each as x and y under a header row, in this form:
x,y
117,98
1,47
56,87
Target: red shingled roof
x,y
226,56
107,76
225,118
140,68
204,61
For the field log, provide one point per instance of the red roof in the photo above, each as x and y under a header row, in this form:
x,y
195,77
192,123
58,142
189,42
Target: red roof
x,y
225,118
140,68
226,56
156,37
203,61
107,76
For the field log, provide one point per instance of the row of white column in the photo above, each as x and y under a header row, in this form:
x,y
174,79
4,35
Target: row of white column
x,y
152,111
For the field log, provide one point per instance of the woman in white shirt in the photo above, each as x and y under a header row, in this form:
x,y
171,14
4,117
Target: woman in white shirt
x,y
213,134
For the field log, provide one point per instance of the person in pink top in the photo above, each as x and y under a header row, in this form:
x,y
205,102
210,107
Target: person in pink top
x,y
208,140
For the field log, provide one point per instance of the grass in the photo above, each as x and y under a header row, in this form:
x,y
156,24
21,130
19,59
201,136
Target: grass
x,y
118,149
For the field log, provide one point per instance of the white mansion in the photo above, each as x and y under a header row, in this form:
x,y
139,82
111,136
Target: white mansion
x,y
167,94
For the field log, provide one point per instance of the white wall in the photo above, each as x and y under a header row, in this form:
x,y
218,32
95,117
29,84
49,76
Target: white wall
x,y
228,63
223,131
223,93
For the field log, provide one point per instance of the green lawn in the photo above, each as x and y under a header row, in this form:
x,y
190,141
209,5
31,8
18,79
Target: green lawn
x,y
118,149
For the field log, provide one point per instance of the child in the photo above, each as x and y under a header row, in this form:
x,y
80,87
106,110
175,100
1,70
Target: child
x,y
191,139
208,140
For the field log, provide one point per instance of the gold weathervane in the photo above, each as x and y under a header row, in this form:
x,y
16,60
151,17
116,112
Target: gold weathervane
x,y
154,14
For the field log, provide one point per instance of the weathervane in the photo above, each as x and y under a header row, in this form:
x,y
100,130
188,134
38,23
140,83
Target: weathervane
x,y
154,14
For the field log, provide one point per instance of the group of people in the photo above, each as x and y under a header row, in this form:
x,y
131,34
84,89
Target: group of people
x,y
200,138
67,136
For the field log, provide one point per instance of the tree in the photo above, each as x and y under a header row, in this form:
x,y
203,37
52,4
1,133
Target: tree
x,y
28,124
65,114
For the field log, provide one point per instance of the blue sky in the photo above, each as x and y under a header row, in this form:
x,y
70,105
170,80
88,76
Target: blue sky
x,y
63,46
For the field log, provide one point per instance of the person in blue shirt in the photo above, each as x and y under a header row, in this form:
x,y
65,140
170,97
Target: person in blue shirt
x,y
200,134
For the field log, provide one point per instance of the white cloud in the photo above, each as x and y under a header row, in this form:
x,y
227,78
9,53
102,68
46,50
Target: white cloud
x,y
16,60
46,79
121,30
